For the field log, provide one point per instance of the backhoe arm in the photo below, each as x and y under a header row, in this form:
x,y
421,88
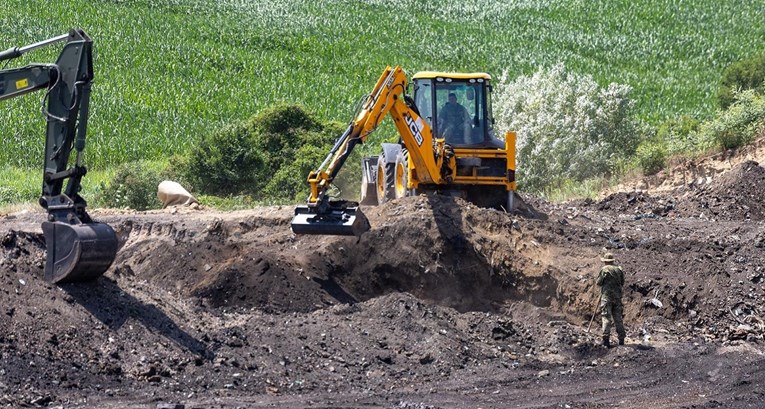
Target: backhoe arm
x,y
78,248
375,106
321,216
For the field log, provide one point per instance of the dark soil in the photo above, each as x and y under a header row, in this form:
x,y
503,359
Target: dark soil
x,y
441,305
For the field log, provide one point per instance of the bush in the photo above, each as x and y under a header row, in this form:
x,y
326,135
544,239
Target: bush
x,y
226,162
267,157
679,135
134,185
740,76
651,157
289,183
14,195
737,125
568,127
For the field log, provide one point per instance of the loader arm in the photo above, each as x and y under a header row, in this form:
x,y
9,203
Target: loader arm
x,y
78,248
321,216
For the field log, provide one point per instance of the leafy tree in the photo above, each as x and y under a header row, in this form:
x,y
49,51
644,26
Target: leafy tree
x,y
568,127
740,76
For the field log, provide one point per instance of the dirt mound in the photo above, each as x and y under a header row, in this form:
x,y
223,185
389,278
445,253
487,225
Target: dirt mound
x,y
441,304
735,195
637,204
438,248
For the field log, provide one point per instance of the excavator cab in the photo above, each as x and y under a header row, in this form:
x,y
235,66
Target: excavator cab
x,y
457,107
78,248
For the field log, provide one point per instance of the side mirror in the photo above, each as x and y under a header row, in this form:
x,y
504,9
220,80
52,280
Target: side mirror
x,y
470,94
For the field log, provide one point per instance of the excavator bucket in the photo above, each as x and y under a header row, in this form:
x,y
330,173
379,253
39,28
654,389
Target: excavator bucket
x,y
341,219
78,252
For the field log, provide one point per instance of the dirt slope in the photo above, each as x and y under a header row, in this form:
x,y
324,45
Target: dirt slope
x,y
441,305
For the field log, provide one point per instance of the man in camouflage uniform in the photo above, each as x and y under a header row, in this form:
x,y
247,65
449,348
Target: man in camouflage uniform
x,y
610,281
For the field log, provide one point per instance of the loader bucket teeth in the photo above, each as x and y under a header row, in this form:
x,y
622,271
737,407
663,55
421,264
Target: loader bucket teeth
x,y
79,252
338,221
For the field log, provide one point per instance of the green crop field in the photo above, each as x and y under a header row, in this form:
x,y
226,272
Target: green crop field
x,y
168,71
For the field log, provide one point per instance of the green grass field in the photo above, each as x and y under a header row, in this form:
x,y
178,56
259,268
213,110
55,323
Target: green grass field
x,y
169,71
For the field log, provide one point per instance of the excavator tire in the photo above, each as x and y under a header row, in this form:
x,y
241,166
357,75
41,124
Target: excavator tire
x,y
402,174
78,252
386,173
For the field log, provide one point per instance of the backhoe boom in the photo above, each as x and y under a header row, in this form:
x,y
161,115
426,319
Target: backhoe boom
x,y
321,216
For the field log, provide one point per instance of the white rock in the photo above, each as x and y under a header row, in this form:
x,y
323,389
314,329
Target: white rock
x,y
172,194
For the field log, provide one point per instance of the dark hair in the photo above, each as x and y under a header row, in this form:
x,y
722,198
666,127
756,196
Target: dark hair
x,y
451,94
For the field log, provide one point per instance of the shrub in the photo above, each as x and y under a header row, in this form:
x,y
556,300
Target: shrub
x,y
226,162
737,125
134,186
280,131
679,135
568,127
267,157
289,182
15,195
651,157
740,76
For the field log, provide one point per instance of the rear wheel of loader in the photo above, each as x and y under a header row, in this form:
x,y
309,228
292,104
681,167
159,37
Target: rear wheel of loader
x,y
386,172
402,174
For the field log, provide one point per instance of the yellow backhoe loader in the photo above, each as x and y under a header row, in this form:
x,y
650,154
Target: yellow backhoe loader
x,y
447,144
78,249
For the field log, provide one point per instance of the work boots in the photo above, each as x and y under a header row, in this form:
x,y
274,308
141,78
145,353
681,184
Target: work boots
x,y
606,342
621,340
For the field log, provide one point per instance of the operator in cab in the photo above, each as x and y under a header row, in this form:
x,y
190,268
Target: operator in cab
x,y
454,121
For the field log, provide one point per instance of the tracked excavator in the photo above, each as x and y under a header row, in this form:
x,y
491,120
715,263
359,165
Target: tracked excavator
x,y
78,248
444,146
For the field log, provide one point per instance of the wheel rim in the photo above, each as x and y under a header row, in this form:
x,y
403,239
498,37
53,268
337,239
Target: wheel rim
x,y
380,183
364,187
400,180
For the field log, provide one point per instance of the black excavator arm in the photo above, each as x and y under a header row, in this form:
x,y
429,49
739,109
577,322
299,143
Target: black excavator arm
x,y
78,249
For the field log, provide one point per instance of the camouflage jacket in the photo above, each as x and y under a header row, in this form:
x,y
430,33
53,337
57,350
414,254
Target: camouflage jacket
x,y
611,280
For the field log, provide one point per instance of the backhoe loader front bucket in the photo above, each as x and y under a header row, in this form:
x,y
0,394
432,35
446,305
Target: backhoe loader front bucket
x,y
341,219
78,252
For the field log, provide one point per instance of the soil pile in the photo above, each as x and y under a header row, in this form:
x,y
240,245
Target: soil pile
x,y
735,195
442,304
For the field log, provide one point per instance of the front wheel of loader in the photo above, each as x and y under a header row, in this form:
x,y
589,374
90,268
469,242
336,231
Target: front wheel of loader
x,y
386,172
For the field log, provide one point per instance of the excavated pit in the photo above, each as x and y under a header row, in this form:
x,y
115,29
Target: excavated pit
x,y
439,249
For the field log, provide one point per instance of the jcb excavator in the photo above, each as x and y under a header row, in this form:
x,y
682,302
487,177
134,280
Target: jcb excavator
x,y
451,150
78,249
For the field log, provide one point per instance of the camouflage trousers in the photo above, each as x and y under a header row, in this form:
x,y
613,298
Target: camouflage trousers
x,y
611,315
